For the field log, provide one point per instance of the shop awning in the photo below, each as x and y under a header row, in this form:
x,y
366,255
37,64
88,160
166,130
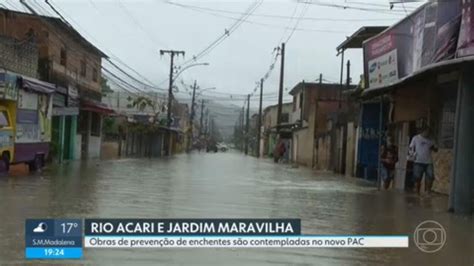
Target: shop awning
x,y
356,39
95,106
424,72
37,85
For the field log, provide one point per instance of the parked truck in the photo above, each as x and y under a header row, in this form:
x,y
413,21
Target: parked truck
x,y
25,120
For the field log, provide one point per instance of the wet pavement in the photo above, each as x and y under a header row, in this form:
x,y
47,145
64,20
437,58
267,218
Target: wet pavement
x,y
227,185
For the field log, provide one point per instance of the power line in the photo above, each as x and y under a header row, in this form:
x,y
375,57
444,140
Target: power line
x,y
140,26
227,32
303,11
267,25
289,22
116,58
214,10
346,7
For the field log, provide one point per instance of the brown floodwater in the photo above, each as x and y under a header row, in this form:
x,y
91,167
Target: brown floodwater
x,y
227,185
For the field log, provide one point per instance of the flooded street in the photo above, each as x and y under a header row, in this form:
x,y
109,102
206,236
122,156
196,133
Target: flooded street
x,y
228,185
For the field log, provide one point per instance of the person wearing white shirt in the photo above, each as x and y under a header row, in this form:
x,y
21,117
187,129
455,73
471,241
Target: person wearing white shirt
x,y
421,147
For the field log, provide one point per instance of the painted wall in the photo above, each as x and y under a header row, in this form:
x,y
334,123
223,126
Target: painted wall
x,y
94,147
323,153
78,148
303,148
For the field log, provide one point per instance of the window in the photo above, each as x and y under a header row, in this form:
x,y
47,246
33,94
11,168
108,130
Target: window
x,y
95,76
83,68
63,57
4,122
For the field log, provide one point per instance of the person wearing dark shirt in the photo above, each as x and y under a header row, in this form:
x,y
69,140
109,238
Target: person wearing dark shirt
x,y
389,157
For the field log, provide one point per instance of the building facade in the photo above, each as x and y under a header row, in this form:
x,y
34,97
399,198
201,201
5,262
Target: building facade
x,y
68,60
426,82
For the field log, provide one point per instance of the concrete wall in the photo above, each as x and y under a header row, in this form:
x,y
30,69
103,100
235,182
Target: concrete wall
x,y
78,147
94,147
411,103
109,150
323,153
304,155
350,149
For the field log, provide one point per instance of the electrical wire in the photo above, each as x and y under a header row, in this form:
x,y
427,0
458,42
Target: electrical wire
x,y
115,57
346,7
303,11
223,11
227,33
267,25
140,26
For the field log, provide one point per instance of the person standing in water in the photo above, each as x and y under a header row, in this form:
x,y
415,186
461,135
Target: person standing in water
x,y
421,147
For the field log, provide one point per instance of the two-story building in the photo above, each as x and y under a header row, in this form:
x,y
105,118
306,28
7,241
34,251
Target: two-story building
x,y
74,64
317,140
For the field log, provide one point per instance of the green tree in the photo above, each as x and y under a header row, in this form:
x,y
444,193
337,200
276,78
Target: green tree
x,y
142,103
104,85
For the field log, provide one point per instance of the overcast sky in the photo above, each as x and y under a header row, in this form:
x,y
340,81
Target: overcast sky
x,y
135,31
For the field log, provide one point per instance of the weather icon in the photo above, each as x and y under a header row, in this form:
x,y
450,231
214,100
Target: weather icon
x,y
41,228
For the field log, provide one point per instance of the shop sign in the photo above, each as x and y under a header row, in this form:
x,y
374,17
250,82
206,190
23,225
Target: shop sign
x,y
427,36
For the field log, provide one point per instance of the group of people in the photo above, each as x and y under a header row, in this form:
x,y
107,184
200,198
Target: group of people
x,y
420,154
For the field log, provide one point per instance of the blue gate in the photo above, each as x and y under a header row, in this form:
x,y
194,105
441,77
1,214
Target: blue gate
x,y
368,152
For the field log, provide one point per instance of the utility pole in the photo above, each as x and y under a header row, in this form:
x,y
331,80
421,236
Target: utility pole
x,y
242,129
348,81
206,132
172,53
280,91
259,124
247,126
342,79
191,122
202,115
315,125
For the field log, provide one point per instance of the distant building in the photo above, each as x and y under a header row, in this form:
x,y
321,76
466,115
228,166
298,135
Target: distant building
x,y
315,105
269,130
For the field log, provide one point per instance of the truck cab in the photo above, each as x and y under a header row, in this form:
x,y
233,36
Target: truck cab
x,y
7,133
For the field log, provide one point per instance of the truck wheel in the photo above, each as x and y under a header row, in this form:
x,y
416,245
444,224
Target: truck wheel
x,y
36,164
6,162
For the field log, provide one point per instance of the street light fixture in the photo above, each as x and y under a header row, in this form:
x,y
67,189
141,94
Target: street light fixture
x,y
206,89
187,67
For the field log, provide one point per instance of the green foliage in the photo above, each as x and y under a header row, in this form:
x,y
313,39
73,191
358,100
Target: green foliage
x,y
110,126
142,103
105,88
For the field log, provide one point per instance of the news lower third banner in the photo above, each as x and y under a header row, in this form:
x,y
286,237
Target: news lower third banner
x,y
66,238
220,233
